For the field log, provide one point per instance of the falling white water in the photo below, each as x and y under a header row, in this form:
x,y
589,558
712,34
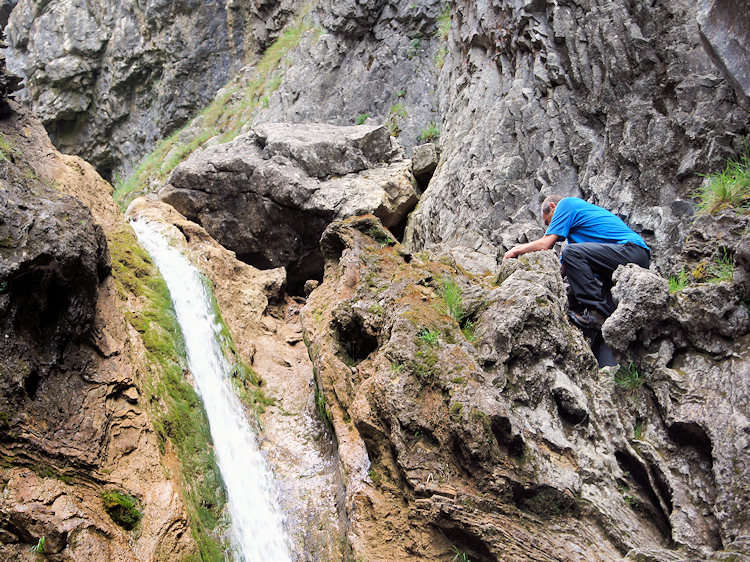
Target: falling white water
x,y
257,524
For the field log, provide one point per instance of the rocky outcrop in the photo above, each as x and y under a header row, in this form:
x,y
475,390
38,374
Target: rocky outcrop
x,y
617,102
72,423
487,426
108,80
8,82
269,194
692,349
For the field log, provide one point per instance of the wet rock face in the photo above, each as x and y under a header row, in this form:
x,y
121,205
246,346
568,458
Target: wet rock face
x,y
617,102
72,423
269,194
108,80
52,258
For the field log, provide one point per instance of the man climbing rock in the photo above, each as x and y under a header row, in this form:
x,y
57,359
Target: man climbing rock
x,y
598,241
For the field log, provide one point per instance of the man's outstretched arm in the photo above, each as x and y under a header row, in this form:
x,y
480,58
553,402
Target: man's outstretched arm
x,y
544,243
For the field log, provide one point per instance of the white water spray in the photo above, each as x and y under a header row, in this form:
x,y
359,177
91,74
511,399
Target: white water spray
x,y
257,524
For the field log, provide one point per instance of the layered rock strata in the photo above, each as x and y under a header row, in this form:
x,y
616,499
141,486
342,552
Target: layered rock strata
x,y
616,102
490,428
269,194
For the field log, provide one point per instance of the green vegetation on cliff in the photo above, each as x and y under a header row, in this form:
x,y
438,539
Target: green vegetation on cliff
x,y
729,189
122,508
177,412
222,120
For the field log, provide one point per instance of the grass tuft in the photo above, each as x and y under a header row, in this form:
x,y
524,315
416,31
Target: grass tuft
x,y
40,545
722,268
443,23
430,133
628,378
729,189
678,282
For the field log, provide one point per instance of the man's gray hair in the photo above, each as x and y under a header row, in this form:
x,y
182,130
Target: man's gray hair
x,y
554,198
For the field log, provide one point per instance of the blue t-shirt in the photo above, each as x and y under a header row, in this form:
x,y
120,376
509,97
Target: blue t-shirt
x,y
579,221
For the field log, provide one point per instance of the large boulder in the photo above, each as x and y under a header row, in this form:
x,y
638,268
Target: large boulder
x,y
52,258
269,194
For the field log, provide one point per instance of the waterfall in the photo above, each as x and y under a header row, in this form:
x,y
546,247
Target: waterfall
x,y
257,524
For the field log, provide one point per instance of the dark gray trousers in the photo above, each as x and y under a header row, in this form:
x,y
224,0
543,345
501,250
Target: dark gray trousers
x,y
586,261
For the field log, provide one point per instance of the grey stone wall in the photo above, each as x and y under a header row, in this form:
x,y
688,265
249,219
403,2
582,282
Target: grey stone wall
x,y
617,102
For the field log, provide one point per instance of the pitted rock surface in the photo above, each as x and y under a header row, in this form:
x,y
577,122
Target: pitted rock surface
x,y
516,433
692,347
269,194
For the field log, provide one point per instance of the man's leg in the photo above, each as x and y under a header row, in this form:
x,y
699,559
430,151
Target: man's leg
x,y
585,260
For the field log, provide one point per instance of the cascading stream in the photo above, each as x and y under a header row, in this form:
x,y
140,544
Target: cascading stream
x,y
257,524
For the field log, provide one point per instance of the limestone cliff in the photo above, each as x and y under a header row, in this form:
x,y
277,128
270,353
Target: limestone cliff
x,y
471,415
109,80
481,429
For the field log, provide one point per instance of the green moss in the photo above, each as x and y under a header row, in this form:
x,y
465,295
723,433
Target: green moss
x,y
320,401
4,420
456,411
374,476
177,412
361,118
49,472
6,148
122,508
424,365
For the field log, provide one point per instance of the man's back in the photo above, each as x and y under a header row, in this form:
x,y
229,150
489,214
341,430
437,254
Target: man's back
x,y
579,221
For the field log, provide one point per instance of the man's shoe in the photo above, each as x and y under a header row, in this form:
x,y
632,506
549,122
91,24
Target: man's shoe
x,y
587,319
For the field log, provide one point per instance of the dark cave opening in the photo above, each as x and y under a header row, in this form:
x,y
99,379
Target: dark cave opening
x,y
356,343
503,432
467,544
686,434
